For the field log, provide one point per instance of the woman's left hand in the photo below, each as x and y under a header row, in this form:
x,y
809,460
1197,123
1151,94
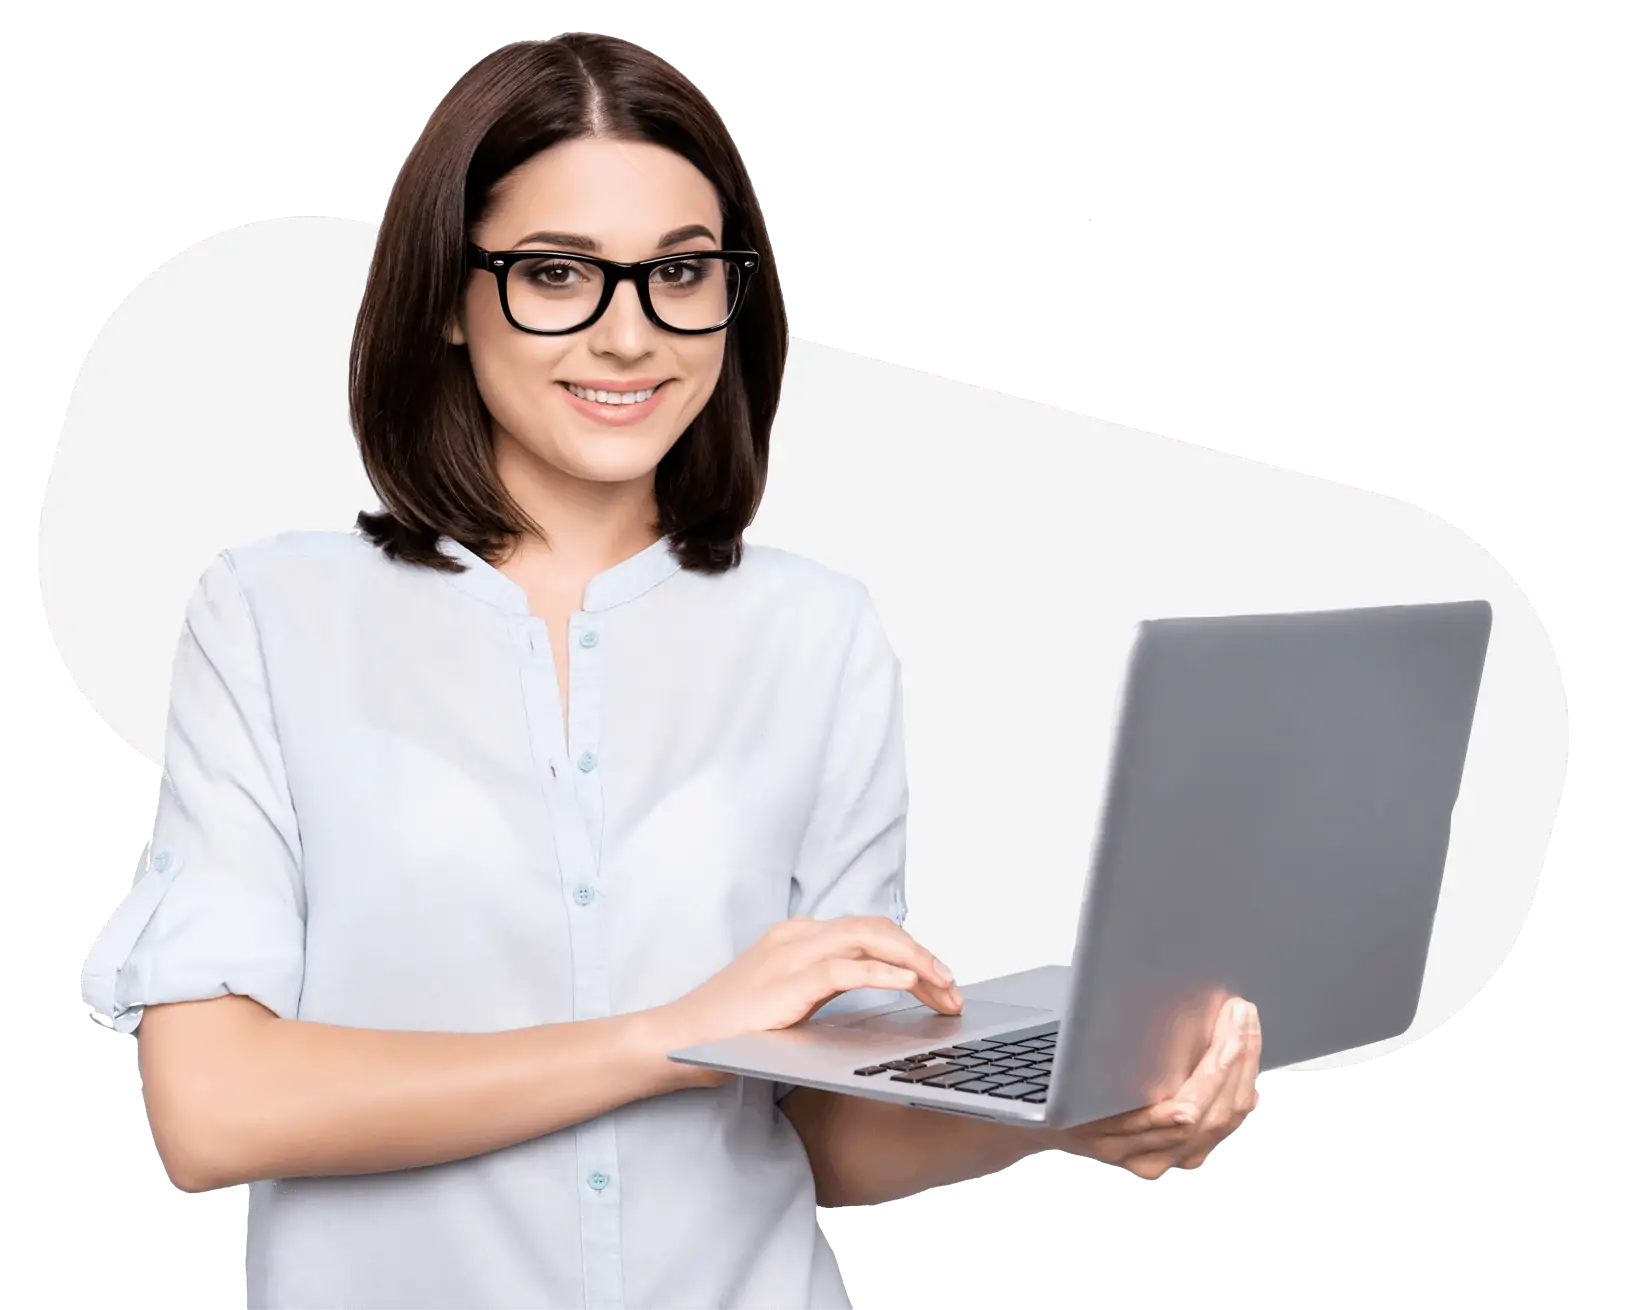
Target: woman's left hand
x,y
1180,1132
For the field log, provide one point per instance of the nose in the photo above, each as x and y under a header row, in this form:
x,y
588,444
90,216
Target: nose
x,y
623,328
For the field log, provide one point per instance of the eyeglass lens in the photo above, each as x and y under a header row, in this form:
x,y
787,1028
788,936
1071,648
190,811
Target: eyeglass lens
x,y
554,293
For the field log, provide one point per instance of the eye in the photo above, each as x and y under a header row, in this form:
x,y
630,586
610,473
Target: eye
x,y
551,274
679,273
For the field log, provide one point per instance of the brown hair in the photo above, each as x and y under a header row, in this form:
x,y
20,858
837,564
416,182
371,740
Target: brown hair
x,y
423,430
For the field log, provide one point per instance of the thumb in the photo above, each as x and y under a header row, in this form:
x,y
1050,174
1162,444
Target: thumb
x,y
818,1005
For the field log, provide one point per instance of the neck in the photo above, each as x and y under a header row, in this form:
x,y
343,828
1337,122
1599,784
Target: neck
x,y
589,526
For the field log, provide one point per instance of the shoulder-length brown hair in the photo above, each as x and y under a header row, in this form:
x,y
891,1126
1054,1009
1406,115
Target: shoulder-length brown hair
x,y
422,428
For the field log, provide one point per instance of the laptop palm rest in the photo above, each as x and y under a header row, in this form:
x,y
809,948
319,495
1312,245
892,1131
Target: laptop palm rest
x,y
916,1022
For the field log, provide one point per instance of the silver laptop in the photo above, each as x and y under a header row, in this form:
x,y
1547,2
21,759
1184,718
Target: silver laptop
x,y
1275,826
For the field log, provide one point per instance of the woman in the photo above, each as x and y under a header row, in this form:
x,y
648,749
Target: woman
x,y
472,815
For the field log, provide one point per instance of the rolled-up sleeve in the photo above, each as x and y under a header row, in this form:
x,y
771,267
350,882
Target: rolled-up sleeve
x,y
853,858
216,906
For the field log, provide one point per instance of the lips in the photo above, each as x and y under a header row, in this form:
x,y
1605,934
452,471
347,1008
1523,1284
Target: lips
x,y
612,415
613,388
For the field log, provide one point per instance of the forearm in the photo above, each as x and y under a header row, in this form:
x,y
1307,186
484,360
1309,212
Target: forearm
x,y
278,1098
863,1151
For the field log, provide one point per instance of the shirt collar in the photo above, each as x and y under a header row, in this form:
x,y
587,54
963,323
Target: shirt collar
x,y
617,585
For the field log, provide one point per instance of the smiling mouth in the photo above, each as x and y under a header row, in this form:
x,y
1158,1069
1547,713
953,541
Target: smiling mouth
x,y
615,399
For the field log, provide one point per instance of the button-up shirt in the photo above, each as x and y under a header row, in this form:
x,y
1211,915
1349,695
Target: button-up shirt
x,y
374,813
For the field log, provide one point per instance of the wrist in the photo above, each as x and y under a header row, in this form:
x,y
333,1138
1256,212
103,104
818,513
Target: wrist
x,y
1037,1139
651,1034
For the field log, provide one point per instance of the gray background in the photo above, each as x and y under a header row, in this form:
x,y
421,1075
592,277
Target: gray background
x,y
1394,242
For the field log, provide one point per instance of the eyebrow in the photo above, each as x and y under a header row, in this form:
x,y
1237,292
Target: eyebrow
x,y
576,241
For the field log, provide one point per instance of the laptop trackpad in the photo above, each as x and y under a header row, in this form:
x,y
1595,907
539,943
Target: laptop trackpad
x,y
918,1022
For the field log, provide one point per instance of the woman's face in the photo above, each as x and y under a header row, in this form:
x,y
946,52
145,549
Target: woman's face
x,y
623,198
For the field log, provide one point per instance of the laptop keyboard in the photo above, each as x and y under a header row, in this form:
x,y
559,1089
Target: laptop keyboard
x,y
1010,1067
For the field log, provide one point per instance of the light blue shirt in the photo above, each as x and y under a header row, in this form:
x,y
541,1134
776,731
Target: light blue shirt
x,y
372,813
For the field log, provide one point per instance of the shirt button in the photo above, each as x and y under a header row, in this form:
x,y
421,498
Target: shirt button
x,y
590,638
584,895
586,762
598,1180
162,861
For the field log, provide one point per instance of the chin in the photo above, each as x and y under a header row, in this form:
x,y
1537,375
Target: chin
x,y
615,462
613,456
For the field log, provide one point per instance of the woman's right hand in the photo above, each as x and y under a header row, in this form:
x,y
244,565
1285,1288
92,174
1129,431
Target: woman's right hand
x,y
797,967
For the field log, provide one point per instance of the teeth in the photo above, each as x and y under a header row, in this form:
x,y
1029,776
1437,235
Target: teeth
x,y
611,397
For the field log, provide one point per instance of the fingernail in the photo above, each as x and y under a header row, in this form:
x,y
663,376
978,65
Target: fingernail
x,y
1238,1016
943,972
1183,1116
1229,1052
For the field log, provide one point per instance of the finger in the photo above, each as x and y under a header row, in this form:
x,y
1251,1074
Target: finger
x,y
1249,1064
1185,1156
1242,1097
819,1002
945,999
866,973
888,940
1115,1139
1206,1104
896,978
1234,1050
1187,1148
1197,1156
883,939
1213,1141
1199,1091
1198,1151
1169,1113
1171,1140
1237,1096
1151,1167
836,974
1223,1114
1188,1151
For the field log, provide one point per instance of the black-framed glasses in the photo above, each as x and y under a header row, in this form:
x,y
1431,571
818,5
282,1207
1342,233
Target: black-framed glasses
x,y
552,292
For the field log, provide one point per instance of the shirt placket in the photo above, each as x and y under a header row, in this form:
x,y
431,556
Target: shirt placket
x,y
567,751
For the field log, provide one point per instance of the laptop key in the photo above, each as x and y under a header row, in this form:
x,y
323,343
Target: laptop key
x,y
870,1069
975,1085
1014,1092
984,1070
1037,1098
949,1052
974,1046
926,1071
948,1079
